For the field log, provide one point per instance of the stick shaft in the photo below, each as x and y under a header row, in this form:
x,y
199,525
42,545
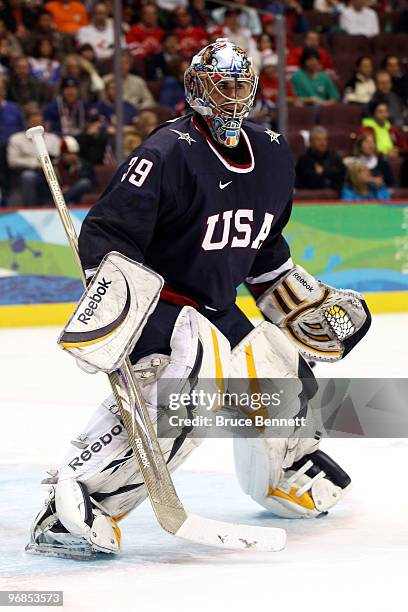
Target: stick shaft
x,y
36,134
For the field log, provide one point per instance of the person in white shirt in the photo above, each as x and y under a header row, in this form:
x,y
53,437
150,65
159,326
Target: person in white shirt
x,y
240,36
134,88
99,33
328,6
171,5
357,18
23,163
248,18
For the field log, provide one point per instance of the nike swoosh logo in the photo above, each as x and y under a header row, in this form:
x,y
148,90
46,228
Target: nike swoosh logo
x,y
223,186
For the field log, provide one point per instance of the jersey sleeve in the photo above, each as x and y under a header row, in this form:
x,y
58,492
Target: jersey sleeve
x,y
273,258
124,218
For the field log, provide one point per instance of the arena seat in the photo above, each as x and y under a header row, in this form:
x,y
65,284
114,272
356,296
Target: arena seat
x,y
105,66
154,88
396,165
299,39
139,67
347,44
401,193
340,116
315,194
388,20
340,142
163,112
391,43
296,144
301,118
104,173
394,17
345,66
90,199
320,21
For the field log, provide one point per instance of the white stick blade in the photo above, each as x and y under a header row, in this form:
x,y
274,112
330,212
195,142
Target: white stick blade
x,y
232,535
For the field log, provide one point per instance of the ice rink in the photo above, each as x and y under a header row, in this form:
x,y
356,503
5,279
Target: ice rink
x,y
354,559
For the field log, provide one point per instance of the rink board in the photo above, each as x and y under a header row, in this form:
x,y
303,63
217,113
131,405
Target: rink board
x,y
359,246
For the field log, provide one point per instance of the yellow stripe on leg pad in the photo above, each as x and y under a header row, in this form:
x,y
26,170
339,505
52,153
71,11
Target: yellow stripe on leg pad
x,y
218,366
116,531
304,500
250,361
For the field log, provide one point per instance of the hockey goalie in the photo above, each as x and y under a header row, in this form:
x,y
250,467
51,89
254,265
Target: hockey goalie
x,y
196,210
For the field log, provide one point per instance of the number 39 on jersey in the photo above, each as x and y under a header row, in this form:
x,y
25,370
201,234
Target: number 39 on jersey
x,y
138,171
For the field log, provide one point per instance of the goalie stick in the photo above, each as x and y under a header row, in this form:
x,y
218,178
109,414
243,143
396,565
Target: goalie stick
x,y
166,504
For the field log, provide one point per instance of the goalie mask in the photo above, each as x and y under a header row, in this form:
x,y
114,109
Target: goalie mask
x,y
220,85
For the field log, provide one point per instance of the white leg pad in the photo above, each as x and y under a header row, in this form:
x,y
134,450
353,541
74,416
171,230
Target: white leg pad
x,y
74,510
295,495
264,465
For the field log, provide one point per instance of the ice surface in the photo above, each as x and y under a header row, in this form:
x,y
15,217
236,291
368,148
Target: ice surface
x,y
354,559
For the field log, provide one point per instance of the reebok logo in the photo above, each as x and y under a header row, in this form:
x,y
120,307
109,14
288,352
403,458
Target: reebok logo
x,y
95,447
303,282
94,300
142,453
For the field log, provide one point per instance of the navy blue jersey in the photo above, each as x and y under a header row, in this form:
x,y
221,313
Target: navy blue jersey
x,y
201,220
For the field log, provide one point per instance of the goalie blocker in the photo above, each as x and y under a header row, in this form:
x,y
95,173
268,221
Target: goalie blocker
x,y
111,313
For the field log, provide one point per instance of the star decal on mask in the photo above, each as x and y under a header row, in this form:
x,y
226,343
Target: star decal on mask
x,y
184,136
274,135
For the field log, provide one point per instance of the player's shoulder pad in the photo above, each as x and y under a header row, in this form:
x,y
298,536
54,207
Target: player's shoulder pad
x,y
159,148
268,142
166,138
261,133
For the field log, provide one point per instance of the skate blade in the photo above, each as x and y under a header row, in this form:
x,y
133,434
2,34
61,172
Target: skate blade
x,y
48,550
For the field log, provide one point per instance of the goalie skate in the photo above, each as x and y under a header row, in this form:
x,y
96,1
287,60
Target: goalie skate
x,y
50,538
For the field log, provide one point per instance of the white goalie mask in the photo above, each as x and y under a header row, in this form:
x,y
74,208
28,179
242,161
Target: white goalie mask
x,y
220,85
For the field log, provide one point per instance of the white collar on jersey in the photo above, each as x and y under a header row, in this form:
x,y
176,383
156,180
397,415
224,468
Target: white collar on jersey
x,y
230,166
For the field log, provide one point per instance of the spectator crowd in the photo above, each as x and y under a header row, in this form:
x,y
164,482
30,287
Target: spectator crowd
x,y
346,82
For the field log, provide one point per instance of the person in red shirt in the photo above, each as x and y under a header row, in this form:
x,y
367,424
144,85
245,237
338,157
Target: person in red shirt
x,y
144,38
191,38
312,41
68,15
268,80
